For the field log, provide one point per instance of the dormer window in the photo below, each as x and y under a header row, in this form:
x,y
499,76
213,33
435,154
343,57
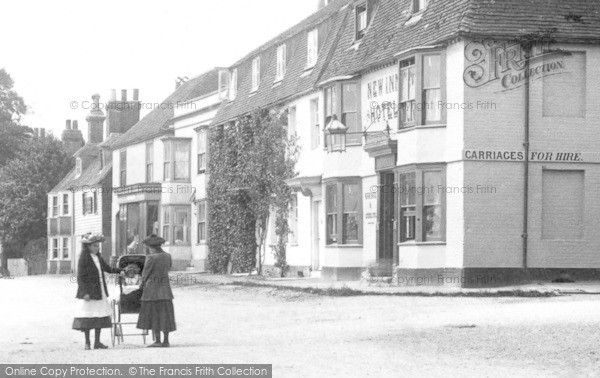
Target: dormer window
x,y
419,5
361,21
233,85
255,74
281,62
313,48
78,167
224,84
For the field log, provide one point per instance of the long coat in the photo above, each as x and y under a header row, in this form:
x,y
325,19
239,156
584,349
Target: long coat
x,y
88,279
155,277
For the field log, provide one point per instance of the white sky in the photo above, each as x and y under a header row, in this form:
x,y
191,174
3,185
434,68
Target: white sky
x,y
63,51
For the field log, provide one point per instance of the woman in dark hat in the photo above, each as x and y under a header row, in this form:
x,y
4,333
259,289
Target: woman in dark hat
x,y
93,309
157,312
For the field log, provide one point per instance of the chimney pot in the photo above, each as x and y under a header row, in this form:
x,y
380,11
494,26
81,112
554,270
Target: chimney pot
x,y
96,99
136,94
113,95
123,94
75,125
68,124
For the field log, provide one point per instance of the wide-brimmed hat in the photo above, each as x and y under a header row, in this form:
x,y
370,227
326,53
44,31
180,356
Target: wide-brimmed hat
x,y
91,238
154,241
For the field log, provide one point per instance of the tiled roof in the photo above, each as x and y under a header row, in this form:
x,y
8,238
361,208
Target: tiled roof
x,y
90,176
296,79
389,34
152,124
111,140
88,150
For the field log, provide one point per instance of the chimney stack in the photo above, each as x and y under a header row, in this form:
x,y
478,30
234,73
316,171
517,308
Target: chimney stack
x,y
75,125
72,137
122,114
95,121
113,95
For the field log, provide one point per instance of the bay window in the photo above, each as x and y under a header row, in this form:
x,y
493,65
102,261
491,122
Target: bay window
x,y
422,204
344,212
176,224
422,90
176,159
343,100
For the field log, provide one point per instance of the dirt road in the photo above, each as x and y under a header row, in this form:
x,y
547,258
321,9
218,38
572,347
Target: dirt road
x,y
305,335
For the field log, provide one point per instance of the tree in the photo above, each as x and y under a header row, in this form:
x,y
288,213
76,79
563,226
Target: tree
x,y
12,134
39,165
249,163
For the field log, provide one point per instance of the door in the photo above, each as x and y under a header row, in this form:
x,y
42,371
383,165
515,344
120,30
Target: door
x,y
317,261
386,220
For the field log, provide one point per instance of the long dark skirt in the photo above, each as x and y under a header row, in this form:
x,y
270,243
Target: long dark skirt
x,y
157,316
85,324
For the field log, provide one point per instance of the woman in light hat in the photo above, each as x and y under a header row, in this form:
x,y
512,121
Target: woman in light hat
x,y
93,309
157,312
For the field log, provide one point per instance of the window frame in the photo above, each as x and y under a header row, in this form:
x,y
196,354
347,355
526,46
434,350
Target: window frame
x,y
171,224
360,33
65,247
337,109
55,207
419,171
65,204
281,66
233,84
415,9
255,74
292,126
203,222
312,48
149,162
420,107
169,162
338,185
55,249
315,127
201,133
123,167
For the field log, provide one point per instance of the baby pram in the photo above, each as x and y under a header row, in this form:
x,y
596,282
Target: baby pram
x,y
130,296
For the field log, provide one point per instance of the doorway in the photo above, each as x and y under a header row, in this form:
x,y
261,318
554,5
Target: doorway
x,y
386,196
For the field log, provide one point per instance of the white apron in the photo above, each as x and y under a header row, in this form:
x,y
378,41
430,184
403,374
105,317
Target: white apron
x,y
94,308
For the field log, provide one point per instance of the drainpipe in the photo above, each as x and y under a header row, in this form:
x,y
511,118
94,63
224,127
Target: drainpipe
x,y
527,48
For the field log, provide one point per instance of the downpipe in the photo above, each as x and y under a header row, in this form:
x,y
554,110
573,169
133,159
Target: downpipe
x,y
525,235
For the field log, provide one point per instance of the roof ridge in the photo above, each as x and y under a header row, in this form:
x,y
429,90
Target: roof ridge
x,y
288,33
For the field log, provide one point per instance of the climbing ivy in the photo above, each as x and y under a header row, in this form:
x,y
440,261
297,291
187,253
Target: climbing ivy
x,y
250,159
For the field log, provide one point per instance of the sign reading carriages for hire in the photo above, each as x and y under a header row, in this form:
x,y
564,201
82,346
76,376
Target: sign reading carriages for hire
x,y
501,155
